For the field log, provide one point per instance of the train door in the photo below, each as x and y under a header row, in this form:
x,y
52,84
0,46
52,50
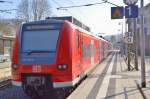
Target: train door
x,y
79,47
92,52
101,51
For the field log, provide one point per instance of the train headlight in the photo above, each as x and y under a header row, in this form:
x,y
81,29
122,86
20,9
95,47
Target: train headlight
x,y
14,66
62,66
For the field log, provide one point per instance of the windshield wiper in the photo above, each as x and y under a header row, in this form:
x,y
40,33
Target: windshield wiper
x,y
39,51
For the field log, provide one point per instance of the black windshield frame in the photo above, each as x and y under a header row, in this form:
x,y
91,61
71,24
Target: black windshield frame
x,y
56,26
39,56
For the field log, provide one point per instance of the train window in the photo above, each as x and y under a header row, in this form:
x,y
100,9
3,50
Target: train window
x,y
93,50
41,40
89,50
77,39
84,51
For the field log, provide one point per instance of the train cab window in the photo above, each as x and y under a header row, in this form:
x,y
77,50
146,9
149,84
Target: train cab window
x,y
77,39
41,40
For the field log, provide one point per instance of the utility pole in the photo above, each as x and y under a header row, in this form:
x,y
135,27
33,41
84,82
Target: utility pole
x,y
135,45
143,80
129,45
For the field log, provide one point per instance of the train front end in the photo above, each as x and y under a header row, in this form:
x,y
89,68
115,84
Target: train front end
x,y
39,62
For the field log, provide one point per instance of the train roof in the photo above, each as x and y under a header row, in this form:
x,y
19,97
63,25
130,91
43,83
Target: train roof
x,y
72,20
79,24
44,22
61,20
91,34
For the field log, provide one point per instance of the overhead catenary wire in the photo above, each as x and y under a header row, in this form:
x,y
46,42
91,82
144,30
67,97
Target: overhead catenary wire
x,y
74,4
91,4
6,11
80,11
59,5
106,1
3,1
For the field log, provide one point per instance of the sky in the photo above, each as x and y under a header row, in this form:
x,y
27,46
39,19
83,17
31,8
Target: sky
x,y
97,17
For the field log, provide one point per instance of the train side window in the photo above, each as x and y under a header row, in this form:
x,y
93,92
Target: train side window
x,y
89,50
77,39
84,51
93,50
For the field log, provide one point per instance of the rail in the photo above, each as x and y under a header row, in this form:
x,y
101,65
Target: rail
x,y
140,90
5,83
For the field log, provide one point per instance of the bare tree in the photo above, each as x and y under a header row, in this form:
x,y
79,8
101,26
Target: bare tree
x,y
23,10
33,9
40,9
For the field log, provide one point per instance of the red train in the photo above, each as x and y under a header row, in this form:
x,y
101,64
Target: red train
x,y
54,54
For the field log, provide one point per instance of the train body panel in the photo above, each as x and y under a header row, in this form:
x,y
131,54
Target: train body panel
x,y
59,52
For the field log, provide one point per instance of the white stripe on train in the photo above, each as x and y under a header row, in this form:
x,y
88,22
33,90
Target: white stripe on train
x,y
55,84
62,84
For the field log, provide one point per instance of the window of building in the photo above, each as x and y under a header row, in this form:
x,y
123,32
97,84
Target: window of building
x,y
145,30
7,43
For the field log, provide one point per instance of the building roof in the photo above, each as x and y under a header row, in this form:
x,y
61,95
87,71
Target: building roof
x,y
7,37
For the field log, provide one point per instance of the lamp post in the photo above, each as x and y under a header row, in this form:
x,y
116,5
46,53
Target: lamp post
x,y
135,44
143,80
132,2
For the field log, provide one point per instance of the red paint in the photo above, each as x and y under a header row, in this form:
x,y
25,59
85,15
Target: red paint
x,y
67,53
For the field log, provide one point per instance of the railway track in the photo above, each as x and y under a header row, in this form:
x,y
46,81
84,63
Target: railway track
x,y
140,90
5,83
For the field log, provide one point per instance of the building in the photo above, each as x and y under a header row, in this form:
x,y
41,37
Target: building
x,y
7,36
6,43
135,26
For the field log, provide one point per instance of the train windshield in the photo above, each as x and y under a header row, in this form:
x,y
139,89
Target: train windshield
x,y
40,41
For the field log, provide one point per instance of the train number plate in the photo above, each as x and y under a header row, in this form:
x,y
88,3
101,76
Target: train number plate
x,y
35,80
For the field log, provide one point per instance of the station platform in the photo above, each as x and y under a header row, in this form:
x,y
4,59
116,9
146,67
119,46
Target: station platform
x,y
112,80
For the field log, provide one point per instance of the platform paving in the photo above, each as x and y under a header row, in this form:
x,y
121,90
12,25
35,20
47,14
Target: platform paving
x,y
112,80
